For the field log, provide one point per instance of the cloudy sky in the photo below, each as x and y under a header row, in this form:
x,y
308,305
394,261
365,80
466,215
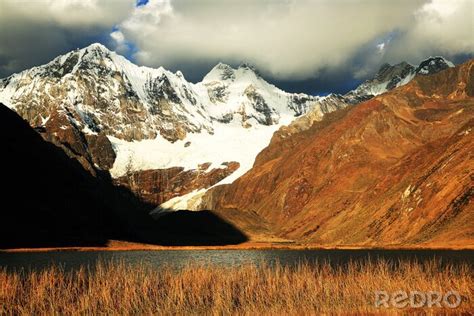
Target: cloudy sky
x,y
313,46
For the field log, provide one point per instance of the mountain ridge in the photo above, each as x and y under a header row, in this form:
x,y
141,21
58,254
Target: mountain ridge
x,y
93,93
394,170
147,86
113,115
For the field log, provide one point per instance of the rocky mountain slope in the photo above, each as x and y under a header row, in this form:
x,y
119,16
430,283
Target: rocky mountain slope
x,y
141,122
397,169
387,78
104,110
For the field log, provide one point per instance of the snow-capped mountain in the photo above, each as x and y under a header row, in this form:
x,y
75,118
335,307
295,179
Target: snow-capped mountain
x,y
390,77
223,78
154,118
433,65
113,115
103,91
243,92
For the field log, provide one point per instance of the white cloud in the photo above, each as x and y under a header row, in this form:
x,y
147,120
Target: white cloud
x,y
118,37
121,45
440,27
145,19
293,39
381,47
286,39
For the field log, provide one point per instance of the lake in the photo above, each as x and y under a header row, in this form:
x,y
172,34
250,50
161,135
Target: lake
x,y
179,258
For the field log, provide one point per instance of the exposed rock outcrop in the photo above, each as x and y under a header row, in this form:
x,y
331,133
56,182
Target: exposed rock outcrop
x,y
101,150
93,151
160,185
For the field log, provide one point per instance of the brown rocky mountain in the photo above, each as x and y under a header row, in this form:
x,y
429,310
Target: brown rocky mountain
x,y
395,170
97,106
156,186
93,151
92,102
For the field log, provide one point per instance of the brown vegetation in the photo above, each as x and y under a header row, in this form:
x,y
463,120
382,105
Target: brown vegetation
x,y
117,288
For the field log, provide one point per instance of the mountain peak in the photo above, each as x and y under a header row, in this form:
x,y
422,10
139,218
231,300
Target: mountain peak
x,y
433,64
391,76
387,71
246,65
249,67
438,59
96,50
222,65
384,67
97,46
220,71
225,72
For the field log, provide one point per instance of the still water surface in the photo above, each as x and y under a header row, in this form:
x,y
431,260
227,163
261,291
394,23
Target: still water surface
x,y
179,258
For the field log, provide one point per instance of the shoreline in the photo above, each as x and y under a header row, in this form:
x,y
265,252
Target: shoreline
x,y
115,245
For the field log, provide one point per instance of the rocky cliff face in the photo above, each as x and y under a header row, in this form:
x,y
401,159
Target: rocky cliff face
x,y
160,185
93,151
397,169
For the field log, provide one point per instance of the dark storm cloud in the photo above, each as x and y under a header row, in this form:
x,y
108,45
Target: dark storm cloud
x,y
35,31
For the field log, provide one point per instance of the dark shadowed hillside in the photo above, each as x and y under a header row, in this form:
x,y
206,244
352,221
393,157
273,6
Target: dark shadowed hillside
x,y
50,200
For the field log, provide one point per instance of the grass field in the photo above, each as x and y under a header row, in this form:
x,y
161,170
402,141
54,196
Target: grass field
x,y
118,288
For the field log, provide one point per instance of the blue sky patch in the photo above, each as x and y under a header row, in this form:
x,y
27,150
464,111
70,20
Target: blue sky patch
x,y
140,3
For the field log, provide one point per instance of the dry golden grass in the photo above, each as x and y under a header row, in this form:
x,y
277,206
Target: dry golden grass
x,y
117,288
